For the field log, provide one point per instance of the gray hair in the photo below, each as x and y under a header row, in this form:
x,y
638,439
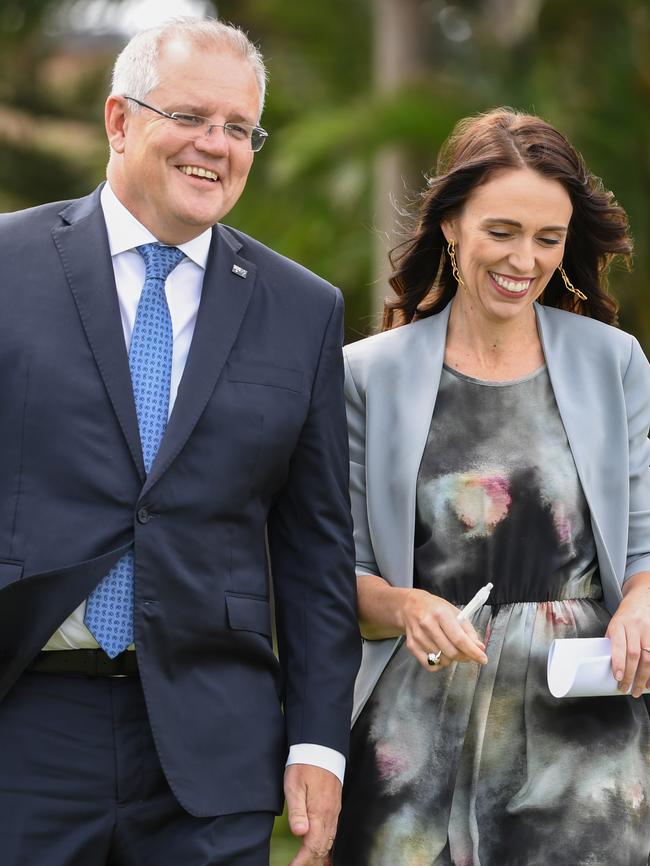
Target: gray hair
x,y
135,72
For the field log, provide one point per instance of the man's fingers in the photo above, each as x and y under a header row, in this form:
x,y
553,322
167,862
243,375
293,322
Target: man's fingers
x,y
313,802
296,796
298,820
315,848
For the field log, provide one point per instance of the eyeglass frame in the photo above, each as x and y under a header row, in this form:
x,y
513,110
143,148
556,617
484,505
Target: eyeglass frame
x,y
229,126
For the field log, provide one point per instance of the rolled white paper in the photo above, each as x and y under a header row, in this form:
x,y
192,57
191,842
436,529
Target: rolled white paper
x,y
581,668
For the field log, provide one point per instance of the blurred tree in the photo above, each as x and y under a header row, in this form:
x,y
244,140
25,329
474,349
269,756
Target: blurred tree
x,y
309,195
51,92
399,60
336,111
583,68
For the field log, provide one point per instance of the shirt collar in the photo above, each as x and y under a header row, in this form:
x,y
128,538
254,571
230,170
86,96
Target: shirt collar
x,y
126,233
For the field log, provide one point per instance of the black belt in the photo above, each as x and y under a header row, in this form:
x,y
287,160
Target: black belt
x,y
92,662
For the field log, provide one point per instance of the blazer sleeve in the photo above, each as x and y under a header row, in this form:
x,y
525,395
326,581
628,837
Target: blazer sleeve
x,y
356,414
312,563
636,387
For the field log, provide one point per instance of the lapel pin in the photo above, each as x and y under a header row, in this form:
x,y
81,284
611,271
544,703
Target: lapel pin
x,y
241,272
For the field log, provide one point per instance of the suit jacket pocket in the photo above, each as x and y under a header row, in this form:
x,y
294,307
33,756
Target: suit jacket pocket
x,y
265,374
248,613
10,571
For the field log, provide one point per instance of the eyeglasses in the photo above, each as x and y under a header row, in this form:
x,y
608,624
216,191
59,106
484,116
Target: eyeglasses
x,y
194,126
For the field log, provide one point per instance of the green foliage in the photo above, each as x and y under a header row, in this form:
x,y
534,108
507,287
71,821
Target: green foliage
x,y
589,73
26,169
585,67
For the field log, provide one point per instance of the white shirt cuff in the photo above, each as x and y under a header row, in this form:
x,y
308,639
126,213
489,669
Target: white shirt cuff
x,y
318,756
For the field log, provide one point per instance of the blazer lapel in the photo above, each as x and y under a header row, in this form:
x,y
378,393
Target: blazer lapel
x,y
227,289
578,389
402,402
577,423
82,245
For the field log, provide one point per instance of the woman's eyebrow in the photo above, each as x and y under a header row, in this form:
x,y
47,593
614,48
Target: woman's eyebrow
x,y
516,224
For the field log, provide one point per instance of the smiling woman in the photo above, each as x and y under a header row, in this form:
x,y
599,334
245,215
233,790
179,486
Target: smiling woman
x,y
505,263
498,432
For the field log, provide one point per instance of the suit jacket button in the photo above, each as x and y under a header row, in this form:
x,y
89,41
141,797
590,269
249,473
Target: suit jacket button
x,y
144,515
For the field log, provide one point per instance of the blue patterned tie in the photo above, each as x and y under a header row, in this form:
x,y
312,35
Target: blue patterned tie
x,y
109,610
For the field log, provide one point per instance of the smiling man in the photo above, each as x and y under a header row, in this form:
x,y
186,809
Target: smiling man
x,y
172,443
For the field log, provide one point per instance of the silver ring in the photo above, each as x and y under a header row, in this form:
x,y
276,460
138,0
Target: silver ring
x,y
433,659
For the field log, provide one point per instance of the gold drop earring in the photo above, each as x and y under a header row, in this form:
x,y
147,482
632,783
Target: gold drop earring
x,y
569,285
451,252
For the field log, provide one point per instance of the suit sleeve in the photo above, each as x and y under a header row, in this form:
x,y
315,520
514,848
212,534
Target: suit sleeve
x,y
636,386
312,563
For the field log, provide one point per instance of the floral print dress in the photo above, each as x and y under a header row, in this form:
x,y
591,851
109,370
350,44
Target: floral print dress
x,y
481,766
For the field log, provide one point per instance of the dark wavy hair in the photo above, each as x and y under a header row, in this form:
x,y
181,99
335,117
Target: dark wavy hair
x,y
479,146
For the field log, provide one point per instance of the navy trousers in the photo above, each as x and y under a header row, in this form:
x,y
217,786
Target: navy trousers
x,y
81,784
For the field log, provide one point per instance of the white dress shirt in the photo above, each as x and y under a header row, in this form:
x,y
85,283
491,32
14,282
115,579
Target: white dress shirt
x,y
183,291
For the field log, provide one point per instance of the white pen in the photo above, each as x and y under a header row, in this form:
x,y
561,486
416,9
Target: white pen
x,y
478,601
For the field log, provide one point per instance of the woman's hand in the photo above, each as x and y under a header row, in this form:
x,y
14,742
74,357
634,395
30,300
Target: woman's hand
x,y
431,624
629,632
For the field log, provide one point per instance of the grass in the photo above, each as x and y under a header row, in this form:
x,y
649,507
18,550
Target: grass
x,y
283,848
283,844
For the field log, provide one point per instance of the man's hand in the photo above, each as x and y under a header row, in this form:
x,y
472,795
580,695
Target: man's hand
x,y
313,804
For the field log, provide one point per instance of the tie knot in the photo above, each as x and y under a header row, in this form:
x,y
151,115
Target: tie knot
x,y
159,261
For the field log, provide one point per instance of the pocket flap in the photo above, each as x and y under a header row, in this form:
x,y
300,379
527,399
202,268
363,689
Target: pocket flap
x,y
246,613
265,374
10,572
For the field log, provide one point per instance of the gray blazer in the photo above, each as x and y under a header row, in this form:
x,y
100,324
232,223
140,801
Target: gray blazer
x,y
601,381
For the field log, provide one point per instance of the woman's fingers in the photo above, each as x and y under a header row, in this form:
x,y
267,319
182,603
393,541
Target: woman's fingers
x,y
616,635
630,655
447,636
458,644
469,629
629,633
640,683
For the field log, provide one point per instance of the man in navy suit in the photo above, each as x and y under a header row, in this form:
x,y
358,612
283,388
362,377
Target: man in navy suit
x,y
172,439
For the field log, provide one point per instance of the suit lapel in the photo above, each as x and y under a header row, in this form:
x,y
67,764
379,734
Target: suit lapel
x,y
82,245
577,385
224,299
564,369
576,421
402,402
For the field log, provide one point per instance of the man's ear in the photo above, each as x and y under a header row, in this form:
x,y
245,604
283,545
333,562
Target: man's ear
x,y
117,121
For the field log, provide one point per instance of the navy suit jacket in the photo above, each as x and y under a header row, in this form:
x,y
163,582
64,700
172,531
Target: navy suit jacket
x,y
252,469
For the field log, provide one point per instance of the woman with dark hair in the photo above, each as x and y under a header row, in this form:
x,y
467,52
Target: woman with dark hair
x,y
498,432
